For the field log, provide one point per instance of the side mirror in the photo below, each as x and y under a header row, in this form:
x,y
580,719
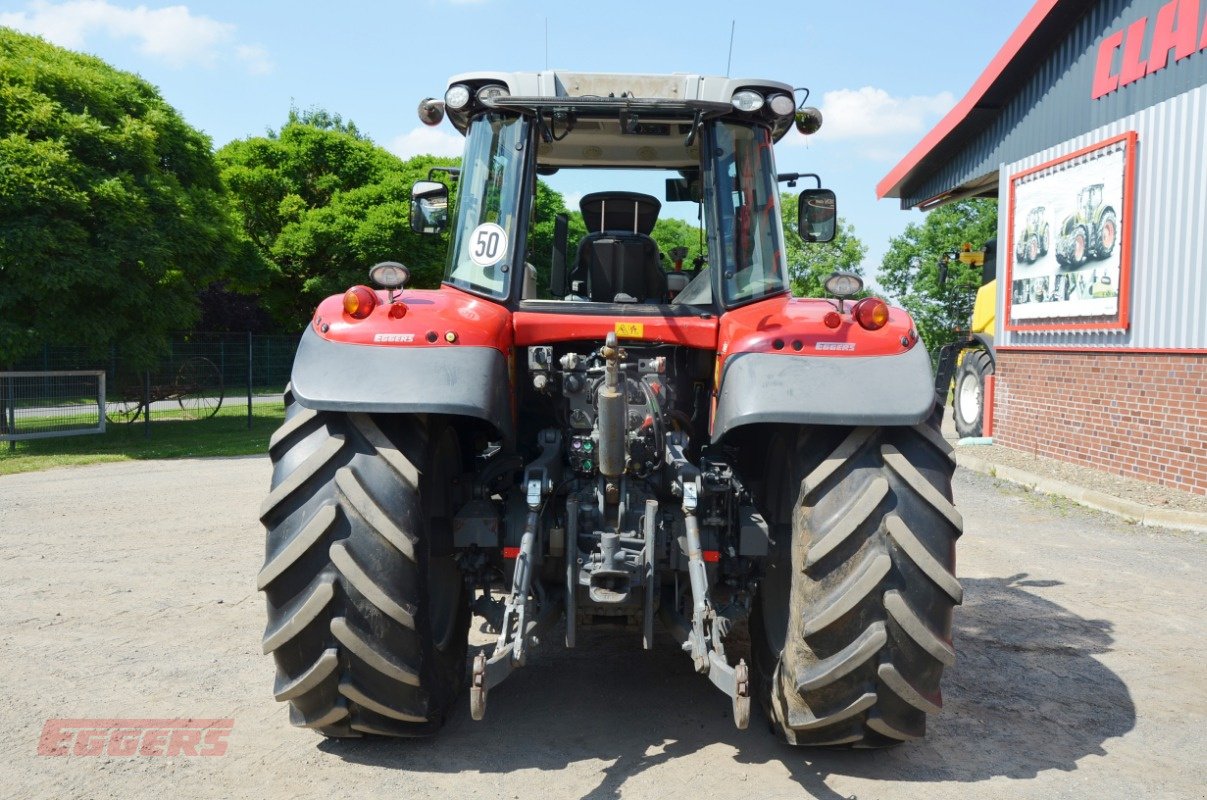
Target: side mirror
x,y
817,215
429,207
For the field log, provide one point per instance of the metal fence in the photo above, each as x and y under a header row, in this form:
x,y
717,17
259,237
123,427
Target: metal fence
x,y
199,375
38,405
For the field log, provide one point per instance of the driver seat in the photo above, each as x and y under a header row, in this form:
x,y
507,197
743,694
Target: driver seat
x,y
617,261
622,267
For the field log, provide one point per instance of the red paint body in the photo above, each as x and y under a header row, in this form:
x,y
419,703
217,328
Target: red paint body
x,y
476,322
533,327
789,321
784,326
796,325
756,328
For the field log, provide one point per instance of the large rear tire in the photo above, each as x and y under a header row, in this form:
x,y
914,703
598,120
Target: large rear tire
x,y
852,623
367,613
1081,247
1108,232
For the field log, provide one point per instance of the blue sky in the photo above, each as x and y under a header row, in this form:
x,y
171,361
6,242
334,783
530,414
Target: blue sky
x,y
882,72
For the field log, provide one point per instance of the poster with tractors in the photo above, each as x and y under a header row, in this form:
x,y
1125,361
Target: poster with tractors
x,y
1067,256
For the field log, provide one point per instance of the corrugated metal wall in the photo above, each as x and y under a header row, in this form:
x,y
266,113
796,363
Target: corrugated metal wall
x,y
1169,253
1055,103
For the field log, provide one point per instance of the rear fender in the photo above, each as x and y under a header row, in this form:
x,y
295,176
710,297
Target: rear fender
x,y
406,365
813,390
779,363
466,381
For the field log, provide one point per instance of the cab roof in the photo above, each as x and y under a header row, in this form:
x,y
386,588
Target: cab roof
x,y
620,120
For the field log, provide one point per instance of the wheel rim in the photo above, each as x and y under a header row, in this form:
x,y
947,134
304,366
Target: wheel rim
x,y
123,411
1033,250
1108,236
1079,248
199,388
968,398
443,575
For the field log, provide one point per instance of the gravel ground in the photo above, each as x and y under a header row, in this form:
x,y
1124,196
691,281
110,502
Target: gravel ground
x,y
129,592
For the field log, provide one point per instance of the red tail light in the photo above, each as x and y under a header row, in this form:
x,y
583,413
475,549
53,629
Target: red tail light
x,y
871,313
359,302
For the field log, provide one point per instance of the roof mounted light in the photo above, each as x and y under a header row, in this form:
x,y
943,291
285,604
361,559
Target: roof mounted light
x,y
457,96
782,105
389,275
492,92
843,284
747,100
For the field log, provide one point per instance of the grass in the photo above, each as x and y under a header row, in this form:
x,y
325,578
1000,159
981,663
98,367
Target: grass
x,y
225,434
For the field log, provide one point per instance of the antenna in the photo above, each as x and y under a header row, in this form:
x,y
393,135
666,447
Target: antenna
x,y
733,23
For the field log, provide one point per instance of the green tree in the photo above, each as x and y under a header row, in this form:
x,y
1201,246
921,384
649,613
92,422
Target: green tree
x,y
910,271
670,233
112,214
810,263
548,205
322,203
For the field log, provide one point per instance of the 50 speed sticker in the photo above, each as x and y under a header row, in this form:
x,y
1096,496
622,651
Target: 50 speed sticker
x,y
487,244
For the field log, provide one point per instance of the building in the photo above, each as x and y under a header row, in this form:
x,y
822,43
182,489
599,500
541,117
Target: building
x,y
1090,128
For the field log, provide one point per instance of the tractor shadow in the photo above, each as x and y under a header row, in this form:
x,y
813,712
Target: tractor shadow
x,y
1026,695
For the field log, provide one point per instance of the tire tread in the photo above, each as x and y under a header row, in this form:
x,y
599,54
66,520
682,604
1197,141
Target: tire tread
x,y
344,578
872,588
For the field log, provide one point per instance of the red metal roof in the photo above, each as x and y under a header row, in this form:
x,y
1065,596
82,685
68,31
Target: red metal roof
x,y
891,184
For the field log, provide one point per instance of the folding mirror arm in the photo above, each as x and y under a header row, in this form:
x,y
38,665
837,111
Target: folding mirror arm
x,y
793,177
697,121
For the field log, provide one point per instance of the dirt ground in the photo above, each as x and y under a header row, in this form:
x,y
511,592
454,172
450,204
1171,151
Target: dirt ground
x,y
128,592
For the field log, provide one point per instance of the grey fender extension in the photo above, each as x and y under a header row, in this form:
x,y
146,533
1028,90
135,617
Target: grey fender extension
x,y
453,379
824,390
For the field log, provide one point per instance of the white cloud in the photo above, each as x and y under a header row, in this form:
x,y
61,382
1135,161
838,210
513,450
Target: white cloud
x,y
172,35
255,58
427,141
871,113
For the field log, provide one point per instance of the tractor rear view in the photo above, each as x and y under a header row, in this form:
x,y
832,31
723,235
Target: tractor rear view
x,y
550,437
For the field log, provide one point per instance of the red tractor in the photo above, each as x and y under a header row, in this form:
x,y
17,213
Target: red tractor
x,y
577,448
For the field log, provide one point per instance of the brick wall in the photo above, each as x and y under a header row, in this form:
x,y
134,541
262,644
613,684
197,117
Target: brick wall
x,y
1141,416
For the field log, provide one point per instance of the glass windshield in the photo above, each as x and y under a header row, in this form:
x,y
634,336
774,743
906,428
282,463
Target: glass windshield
x,y
625,235
745,198
488,204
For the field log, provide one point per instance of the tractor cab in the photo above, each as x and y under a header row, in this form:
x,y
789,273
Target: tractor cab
x,y
618,142
1089,198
